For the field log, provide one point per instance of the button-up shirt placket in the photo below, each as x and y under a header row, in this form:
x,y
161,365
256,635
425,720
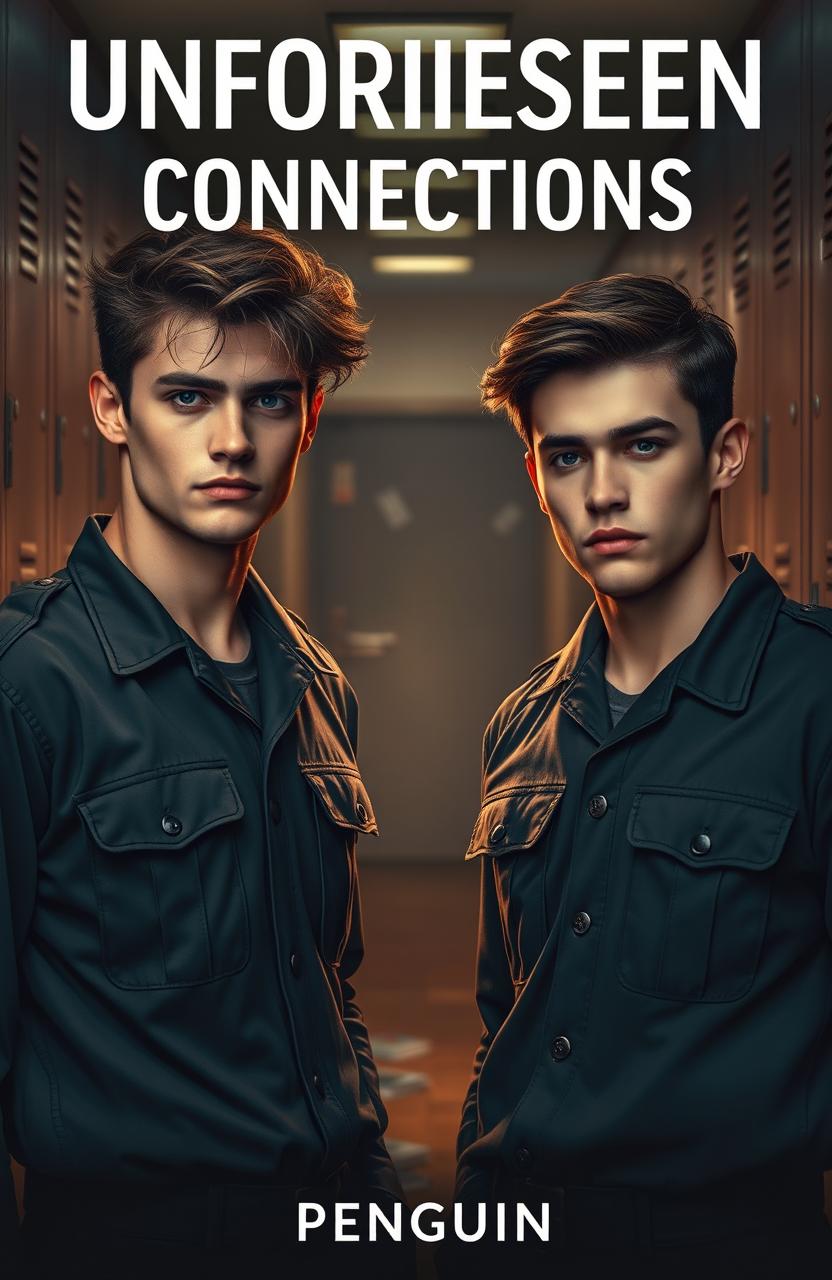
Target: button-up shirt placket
x,y
580,848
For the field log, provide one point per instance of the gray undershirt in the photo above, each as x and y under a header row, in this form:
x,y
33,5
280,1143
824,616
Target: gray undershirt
x,y
243,677
618,701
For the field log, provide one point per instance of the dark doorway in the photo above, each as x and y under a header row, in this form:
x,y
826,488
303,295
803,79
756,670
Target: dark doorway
x,y
425,581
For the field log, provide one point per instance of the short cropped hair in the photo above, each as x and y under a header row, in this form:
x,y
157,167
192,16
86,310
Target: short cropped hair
x,y
616,319
227,277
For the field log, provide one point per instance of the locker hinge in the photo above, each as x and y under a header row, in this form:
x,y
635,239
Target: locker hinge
x,y
60,430
9,415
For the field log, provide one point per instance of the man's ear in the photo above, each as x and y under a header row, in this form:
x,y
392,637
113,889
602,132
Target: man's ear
x,y
315,406
531,471
728,453
107,408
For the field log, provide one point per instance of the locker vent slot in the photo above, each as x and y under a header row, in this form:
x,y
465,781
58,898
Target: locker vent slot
x,y
781,220
707,269
681,275
826,229
28,188
741,254
73,244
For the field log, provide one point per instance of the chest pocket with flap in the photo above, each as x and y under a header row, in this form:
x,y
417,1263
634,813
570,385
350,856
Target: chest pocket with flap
x,y
699,877
342,810
171,902
510,830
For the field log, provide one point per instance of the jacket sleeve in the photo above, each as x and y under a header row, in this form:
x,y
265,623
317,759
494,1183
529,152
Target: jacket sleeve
x,y
493,986
372,1169
822,836
494,994
23,813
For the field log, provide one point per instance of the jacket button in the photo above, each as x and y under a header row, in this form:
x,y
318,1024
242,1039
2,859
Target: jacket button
x,y
361,811
700,844
320,1087
598,806
171,824
522,1157
561,1048
275,811
294,964
581,923
497,833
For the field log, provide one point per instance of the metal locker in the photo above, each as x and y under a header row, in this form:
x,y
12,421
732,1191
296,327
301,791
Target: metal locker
x,y
108,231
4,584
72,422
26,407
781,434
738,173
819,410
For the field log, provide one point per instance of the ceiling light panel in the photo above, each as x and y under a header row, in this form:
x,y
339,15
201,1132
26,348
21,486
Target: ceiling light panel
x,y
365,127
424,27
411,264
462,229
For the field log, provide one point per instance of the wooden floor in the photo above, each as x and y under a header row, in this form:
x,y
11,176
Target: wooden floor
x,y
420,925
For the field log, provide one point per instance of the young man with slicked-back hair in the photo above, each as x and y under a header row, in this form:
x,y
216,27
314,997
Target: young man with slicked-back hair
x,y
182,1057
655,952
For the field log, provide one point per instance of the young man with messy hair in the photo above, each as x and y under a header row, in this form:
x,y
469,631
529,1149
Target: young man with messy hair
x,y
655,950
182,1055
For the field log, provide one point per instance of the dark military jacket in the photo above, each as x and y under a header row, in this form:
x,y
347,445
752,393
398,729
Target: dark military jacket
x,y
179,913
655,962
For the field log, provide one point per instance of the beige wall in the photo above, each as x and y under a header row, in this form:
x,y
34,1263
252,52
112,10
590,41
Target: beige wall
x,y
428,351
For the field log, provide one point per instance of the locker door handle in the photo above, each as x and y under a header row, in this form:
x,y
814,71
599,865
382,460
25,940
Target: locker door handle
x,y
60,431
9,414
764,451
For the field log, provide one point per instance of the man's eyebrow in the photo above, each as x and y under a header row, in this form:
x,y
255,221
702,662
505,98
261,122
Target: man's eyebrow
x,y
185,379
616,433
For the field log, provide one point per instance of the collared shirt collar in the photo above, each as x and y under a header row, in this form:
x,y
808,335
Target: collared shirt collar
x,y
135,629
718,666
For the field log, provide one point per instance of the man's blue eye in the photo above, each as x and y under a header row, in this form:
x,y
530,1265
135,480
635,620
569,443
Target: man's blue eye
x,y
275,401
181,396
565,460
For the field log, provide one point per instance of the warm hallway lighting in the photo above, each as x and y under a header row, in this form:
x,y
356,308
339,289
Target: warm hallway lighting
x,y
428,28
422,264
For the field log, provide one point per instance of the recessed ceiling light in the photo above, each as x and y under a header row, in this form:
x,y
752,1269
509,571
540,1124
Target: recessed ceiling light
x,y
365,127
461,230
426,27
422,264
405,179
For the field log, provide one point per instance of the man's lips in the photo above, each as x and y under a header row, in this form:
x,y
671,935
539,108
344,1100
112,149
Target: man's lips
x,y
229,483
616,539
229,487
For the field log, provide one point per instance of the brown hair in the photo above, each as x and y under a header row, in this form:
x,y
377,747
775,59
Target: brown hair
x,y
618,318
228,277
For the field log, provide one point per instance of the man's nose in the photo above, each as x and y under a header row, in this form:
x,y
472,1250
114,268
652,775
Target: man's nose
x,y
606,489
229,438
